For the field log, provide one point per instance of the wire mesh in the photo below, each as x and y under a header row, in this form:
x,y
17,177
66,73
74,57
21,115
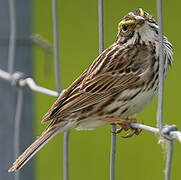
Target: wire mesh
x,y
66,156
169,133
56,45
161,89
173,134
113,153
11,59
101,48
57,70
161,65
19,108
101,26
169,160
12,39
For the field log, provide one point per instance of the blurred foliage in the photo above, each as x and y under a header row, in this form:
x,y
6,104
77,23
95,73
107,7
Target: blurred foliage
x,y
136,158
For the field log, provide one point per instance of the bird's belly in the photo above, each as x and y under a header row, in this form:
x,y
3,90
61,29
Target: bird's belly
x,y
140,102
129,104
124,108
90,123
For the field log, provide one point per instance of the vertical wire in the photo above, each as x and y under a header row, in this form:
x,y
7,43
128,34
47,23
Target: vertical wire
x,y
11,58
56,46
18,115
12,36
101,26
161,89
57,71
161,66
169,160
65,157
113,153
101,48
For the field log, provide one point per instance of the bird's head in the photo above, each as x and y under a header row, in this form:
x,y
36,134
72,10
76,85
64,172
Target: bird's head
x,y
137,26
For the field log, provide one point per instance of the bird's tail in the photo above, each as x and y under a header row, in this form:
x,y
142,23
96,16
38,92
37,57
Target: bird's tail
x,y
46,136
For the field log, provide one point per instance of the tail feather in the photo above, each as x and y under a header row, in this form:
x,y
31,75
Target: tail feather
x,y
46,136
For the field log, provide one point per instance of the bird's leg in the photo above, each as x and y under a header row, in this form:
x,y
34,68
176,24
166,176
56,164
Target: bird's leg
x,y
124,125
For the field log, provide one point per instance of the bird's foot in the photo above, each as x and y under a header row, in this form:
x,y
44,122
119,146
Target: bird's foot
x,y
125,124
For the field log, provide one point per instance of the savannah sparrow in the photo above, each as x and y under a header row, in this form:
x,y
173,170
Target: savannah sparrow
x,y
119,83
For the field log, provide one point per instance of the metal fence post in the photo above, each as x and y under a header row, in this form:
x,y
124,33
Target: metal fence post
x,y
20,58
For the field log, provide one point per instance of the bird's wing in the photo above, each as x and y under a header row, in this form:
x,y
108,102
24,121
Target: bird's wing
x,y
115,70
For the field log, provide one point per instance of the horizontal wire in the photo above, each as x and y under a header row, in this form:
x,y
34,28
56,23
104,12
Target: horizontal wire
x,y
41,42
172,134
34,39
28,82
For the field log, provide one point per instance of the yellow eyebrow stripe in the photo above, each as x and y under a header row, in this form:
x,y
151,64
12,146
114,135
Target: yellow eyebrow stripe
x,y
128,22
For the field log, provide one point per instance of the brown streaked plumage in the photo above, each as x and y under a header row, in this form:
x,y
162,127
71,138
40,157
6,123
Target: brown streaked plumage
x,y
119,83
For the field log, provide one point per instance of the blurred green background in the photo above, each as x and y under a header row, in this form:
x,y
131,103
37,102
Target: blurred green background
x,y
136,158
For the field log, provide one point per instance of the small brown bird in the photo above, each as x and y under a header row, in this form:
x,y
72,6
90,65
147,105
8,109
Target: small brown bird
x,y
119,83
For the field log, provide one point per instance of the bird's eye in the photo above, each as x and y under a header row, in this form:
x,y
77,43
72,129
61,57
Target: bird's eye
x,y
124,27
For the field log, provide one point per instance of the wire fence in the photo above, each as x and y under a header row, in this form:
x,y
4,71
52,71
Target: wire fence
x,y
168,132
